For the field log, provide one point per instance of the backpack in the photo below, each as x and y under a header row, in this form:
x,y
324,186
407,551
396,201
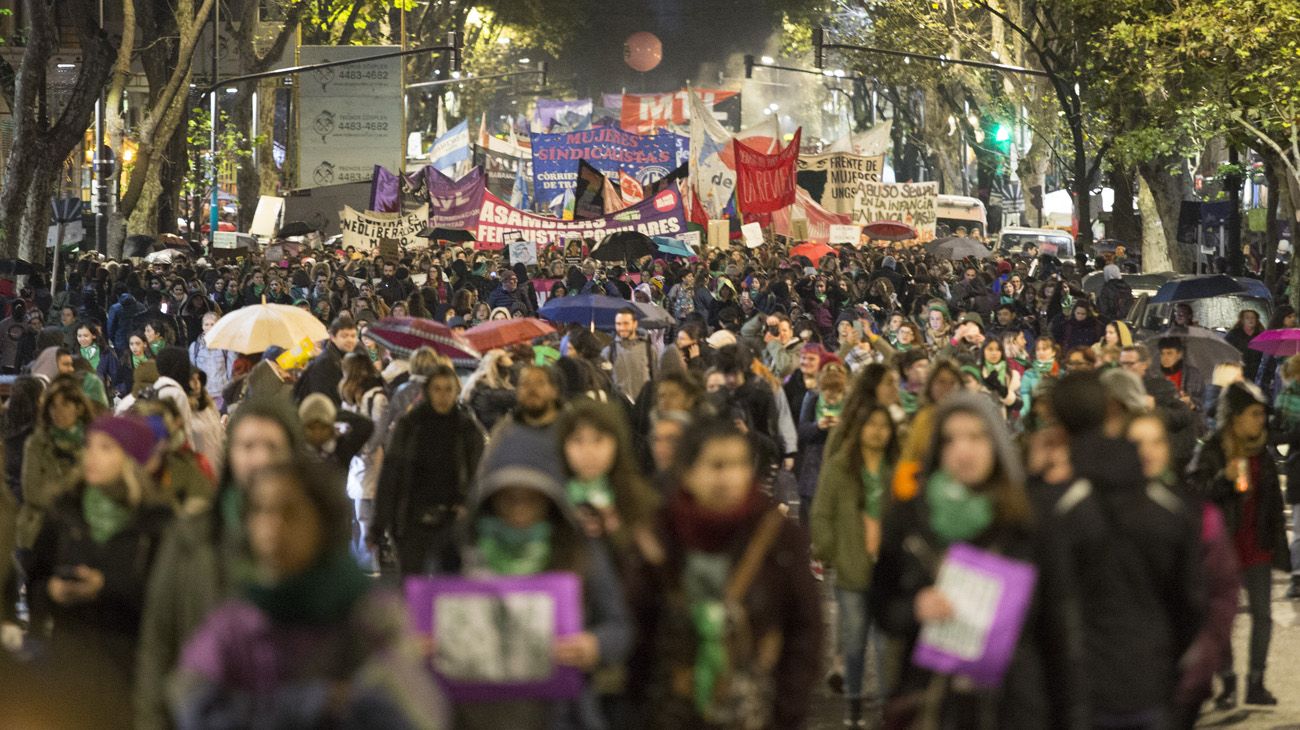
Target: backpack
x,y
1115,300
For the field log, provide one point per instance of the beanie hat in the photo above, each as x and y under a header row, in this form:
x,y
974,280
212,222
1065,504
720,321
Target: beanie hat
x,y
317,408
132,434
889,262
828,357
972,318
144,375
1004,267
174,363
1125,388
1110,272
937,305
1235,399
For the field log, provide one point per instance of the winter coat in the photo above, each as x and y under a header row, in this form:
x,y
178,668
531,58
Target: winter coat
x,y
193,573
1133,549
1072,333
1042,686
1250,359
103,632
490,404
1114,300
363,472
812,441
243,669
216,363
46,471
124,317
782,608
322,375
1205,476
837,529
1182,424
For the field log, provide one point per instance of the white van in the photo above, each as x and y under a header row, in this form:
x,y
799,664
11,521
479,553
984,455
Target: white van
x,y
952,211
1049,241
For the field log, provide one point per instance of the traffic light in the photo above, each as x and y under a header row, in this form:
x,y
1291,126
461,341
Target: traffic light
x,y
1002,134
749,66
818,43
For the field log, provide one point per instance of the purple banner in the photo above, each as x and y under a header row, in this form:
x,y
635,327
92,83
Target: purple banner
x,y
561,115
455,204
990,595
385,191
494,636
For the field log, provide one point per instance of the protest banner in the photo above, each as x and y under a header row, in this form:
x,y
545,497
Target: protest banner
x,y
645,158
561,115
495,635
454,204
644,113
872,143
806,220
842,234
752,235
661,215
765,182
836,179
365,230
910,203
349,117
712,168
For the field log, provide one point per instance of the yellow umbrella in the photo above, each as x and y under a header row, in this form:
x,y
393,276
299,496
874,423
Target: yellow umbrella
x,y
254,329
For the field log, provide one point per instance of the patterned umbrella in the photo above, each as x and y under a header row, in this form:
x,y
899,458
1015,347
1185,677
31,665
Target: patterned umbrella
x,y
506,332
404,335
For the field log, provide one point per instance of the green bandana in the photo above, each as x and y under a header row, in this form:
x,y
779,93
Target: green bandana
x,y
956,512
324,593
825,409
873,490
105,515
69,440
512,551
910,402
596,492
92,356
373,353
998,370
157,345
138,360
710,621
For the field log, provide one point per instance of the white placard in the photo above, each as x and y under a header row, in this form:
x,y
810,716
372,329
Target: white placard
x,y
268,216
691,239
753,234
73,233
844,234
523,252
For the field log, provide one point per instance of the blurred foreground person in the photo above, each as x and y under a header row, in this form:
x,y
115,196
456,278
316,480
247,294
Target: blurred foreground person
x,y
308,642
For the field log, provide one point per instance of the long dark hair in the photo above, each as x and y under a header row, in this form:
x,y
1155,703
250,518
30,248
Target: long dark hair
x,y
633,497
23,406
850,433
860,398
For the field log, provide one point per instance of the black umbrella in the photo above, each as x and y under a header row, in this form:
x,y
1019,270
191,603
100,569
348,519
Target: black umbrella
x,y
295,228
624,246
139,245
18,267
447,234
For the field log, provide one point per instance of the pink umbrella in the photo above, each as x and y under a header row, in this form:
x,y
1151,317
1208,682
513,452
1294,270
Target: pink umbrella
x,y
404,335
506,332
1283,342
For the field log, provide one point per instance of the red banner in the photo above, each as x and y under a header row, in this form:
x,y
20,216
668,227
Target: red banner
x,y
765,183
644,113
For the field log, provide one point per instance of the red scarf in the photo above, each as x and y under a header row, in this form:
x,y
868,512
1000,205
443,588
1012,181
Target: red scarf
x,y
701,529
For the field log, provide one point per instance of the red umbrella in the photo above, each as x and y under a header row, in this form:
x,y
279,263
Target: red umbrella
x,y
404,335
889,231
506,332
814,251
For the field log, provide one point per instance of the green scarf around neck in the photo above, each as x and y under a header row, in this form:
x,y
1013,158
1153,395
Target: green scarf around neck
x,y
69,440
157,345
957,513
513,551
324,593
92,356
138,360
105,516
825,409
595,492
998,369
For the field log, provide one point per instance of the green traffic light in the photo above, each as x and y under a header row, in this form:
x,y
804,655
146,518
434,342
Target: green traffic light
x,y
1002,133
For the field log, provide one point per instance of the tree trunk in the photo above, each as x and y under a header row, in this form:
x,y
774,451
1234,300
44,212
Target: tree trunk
x,y
1273,177
1124,224
143,217
1155,245
1167,193
268,175
246,172
36,214
944,148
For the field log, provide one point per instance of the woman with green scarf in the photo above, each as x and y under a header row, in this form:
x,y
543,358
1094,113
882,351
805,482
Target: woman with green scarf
x,y
92,346
971,489
1046,367
90,564
50,454
309,640
137,354
520,522
1001,380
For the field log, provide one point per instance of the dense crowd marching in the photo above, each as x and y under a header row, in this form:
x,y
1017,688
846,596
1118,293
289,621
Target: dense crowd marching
x,y
206,539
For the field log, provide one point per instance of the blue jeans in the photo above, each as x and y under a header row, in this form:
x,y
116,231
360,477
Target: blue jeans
x,y
364,511
855,627
1295,540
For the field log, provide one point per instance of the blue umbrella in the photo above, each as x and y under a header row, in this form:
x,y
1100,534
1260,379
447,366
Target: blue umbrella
x,y
588,310
673,246
1207,287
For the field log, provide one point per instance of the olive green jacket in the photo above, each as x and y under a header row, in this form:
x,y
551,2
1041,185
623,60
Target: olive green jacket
x,y
838,532
45,476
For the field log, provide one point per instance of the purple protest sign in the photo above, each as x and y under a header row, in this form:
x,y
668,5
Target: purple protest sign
x,y
494,635
990,595
385,191
455,204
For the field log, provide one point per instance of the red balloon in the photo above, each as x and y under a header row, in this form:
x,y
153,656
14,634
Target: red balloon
x,y
643,51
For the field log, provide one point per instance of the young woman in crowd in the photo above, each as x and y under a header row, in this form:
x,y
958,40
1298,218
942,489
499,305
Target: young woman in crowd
x,y
308,641
137,354
362,392
1045,367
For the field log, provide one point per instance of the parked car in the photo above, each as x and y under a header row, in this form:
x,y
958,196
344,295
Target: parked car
x,y
1217,312
1048,241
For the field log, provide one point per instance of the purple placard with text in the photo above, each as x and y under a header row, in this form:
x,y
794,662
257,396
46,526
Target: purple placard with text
x,y
990,595
493,635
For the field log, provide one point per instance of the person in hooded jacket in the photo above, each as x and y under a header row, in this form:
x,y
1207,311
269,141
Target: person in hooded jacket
x,y
1233,469
971,489
519,523
124,318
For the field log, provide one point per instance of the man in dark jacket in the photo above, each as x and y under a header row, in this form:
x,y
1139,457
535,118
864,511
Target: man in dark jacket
x,y
1134,550
325,371
1182,423
428,467
123,319
1234,470
391,288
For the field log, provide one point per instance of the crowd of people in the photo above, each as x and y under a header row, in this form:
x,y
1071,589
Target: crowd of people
x,y
756,494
